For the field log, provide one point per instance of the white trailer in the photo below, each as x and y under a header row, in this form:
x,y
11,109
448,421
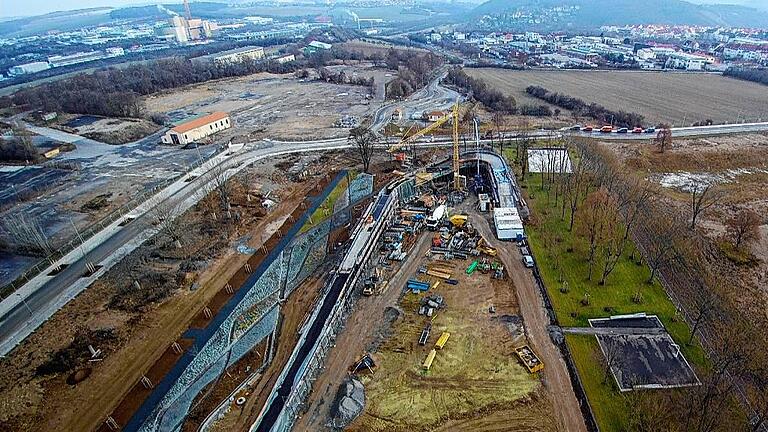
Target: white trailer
x,y
509,225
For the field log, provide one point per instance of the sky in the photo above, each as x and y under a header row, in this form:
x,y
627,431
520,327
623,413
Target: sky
x,y
16,8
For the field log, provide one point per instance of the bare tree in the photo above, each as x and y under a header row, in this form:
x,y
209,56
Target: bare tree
x,y
663,234
575,188
169,221
221,183
705,305
499,122
744,227
598,223
26,235
703,196
663,139
364,140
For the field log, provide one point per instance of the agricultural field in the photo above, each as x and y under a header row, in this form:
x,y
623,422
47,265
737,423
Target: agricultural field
x,y
675,98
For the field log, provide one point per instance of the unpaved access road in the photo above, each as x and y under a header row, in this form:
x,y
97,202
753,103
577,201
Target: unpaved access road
x,y
361,330
555,375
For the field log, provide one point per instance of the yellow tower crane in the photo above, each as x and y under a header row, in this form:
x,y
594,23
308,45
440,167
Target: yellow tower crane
x,y
411,139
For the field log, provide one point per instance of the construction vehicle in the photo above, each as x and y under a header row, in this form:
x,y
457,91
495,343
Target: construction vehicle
x,y
458,220
490,251
529,358
409,139
363,364
433,221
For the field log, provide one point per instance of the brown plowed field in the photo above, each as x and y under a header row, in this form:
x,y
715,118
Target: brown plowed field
x,y
671,97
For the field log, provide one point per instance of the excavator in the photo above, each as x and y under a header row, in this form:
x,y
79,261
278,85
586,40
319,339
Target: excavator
x,y
410,139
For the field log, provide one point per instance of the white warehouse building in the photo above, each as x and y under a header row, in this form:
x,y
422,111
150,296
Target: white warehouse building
x,y
197,129
28,68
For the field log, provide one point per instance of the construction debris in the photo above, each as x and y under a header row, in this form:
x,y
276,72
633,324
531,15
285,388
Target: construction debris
x,y
349,404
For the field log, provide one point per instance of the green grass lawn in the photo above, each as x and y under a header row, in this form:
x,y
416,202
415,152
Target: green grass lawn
x,y
565,257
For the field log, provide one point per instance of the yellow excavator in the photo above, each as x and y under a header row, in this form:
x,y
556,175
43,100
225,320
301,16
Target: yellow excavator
x,y
411,138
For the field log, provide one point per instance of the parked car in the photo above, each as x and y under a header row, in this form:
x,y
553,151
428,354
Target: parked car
x,y
528,261
637,130
650,130
622,130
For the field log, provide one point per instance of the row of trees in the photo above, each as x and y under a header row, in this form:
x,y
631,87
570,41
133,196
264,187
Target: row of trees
x,y
480,91
613,207
754,75
325,74
117,91
414,71
579,107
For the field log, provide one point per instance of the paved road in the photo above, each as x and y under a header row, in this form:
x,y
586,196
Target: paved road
x,y
432,97
41,297
692,131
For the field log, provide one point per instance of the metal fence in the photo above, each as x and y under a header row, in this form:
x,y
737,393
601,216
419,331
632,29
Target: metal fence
x,y
704,333
81,236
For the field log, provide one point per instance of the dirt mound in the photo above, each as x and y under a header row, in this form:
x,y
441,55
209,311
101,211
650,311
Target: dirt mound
x,y
79,376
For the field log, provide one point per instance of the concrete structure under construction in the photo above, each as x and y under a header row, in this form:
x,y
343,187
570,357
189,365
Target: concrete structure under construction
x,y
198,128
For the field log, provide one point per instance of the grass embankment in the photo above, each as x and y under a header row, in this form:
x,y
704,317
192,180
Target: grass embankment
x,y
565,258
325,210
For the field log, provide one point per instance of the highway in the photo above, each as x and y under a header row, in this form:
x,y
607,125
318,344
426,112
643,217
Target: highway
x,y
42,296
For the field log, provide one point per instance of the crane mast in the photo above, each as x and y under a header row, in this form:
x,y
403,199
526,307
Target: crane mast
x,y
453,116
456,164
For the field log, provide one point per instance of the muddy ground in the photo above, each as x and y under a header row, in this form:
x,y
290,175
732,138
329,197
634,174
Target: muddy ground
x,y
133,326
269,105
738,167
476,383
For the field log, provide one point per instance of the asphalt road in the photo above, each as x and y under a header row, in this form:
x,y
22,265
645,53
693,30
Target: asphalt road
x,y
27,315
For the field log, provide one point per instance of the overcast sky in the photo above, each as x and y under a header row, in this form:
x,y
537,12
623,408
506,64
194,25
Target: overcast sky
x,y
9,8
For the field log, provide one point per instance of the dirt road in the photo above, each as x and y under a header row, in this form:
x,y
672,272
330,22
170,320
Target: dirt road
x,y
555,375
354,340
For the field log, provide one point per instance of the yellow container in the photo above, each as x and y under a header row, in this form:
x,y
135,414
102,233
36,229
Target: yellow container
x,y
430,358
442,340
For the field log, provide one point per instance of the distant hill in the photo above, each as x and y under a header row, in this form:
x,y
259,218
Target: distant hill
x,y
595,13
64,20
